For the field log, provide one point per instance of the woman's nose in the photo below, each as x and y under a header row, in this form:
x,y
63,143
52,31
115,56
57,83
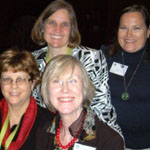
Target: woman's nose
x,y
65,87
14,84
58,28
129,33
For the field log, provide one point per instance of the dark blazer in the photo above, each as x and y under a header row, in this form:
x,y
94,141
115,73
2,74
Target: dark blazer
x,y
42,115
106,138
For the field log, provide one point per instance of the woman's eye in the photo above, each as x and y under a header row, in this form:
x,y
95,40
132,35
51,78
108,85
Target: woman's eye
x,y
51,22
137,28
72,81
6,79
65,24
122,27
57,82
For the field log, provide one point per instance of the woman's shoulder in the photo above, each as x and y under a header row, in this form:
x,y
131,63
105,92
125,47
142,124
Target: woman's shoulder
x,y
105,48
37,53
106,133
44,115
84,51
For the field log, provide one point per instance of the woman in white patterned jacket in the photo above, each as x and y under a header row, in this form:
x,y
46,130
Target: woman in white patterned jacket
x,y
57,27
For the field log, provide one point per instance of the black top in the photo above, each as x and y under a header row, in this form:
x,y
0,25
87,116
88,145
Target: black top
x,y
133,114
42,116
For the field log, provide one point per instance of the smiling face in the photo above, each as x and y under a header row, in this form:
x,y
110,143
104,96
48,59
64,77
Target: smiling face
x,y
16,94
66,92
57,29
132,32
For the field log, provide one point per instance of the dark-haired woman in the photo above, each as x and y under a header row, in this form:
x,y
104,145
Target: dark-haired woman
x,y
129,66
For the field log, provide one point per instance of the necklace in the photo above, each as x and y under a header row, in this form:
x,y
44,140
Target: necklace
x,y
73,140
58,139
125,95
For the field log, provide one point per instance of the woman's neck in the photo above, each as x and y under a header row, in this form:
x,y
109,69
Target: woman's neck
x,y
52,52
65,136
68,119
15,114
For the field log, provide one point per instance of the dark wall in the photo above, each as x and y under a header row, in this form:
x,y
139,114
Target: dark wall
x,y
113,9
96,19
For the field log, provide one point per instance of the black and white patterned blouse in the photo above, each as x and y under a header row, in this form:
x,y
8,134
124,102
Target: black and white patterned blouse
x,y
95,64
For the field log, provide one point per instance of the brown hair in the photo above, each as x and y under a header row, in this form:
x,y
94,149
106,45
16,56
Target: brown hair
x,y
114,48
37,31
20,61
58,66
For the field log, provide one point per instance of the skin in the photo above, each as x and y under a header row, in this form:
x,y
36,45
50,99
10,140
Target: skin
x,y
17,96
132,32
66,94
57,32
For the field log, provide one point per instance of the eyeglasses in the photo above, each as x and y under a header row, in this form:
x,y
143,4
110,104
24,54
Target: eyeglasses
x,y
19,81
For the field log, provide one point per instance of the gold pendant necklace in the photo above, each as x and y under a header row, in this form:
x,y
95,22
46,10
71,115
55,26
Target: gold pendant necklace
x,y
125,95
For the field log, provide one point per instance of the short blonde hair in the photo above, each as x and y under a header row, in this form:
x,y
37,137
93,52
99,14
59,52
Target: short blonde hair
x,y
55,68
37,31
20,60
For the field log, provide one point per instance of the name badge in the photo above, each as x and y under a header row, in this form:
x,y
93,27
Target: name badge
x,y
118,69
78,146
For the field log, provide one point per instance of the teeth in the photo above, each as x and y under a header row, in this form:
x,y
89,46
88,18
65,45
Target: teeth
x,y
129,41
14,93
65,99
56,36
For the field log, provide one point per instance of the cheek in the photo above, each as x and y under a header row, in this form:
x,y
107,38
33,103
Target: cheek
x,y
121,41
3,87
119,37
53,92
67,32
46,30
3,90
142,39
79,91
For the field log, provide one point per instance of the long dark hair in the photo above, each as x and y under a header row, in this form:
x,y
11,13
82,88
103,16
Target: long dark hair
x,y
115,47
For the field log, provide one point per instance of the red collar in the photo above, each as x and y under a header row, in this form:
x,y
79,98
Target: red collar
x,y
26,125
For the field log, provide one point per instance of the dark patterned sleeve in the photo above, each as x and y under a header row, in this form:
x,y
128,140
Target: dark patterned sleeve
x,y
95,64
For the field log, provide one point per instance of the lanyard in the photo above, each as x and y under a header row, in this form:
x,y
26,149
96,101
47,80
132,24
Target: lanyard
x,y
3,132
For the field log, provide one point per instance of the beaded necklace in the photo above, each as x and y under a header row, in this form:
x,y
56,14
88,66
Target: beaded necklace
x,y
73,140
58,138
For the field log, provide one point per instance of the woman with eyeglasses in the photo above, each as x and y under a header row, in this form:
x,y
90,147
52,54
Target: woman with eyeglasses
x,y
19,113
68,91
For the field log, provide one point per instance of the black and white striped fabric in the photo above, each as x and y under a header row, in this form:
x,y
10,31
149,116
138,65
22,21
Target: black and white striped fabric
x,y
95,64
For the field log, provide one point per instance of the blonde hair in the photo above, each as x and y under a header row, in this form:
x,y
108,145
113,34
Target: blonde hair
x,y
55,68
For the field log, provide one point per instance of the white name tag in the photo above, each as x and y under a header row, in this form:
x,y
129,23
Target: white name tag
x,y
118,69
78,146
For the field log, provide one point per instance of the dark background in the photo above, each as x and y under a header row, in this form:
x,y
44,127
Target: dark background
x,y
96,20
